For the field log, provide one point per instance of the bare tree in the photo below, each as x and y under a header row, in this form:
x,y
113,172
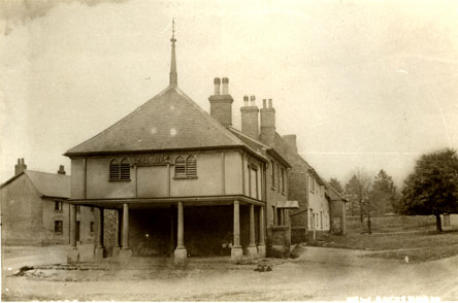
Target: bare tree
x,y
357,190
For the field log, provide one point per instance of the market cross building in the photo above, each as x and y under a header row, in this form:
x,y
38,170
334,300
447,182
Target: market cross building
x,y
184,182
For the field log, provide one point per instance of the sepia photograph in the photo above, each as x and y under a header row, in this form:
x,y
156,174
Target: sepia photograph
x,y
262,150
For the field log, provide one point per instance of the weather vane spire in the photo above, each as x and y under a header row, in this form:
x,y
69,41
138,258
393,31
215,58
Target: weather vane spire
x,y
173,64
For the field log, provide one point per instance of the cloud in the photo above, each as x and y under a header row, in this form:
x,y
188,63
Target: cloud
x,y
21,11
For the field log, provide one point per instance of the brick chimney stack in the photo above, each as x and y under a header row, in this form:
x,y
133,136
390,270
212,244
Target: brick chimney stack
x,y
267,123
291,142
61,170
20,166
221,104
250,117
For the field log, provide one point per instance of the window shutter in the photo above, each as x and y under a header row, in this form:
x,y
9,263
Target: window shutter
x,y
125,170
114,170
180,168
191,166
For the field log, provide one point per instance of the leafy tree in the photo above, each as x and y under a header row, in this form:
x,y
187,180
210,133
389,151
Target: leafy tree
x,y
357,190
383,193
432,189
336,185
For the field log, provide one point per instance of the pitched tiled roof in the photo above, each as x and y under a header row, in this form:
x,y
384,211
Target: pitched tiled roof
x,y
294,158
47,184
170,120
333,194
258,145
50,185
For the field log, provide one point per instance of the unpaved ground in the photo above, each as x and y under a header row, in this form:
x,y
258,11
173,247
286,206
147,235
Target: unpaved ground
x,y
308,278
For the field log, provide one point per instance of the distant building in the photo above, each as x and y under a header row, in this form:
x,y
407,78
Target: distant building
x,y
308,188
34,209
337,210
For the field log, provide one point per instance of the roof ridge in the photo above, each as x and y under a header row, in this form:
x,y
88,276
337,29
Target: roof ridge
x,y
45,172
233,129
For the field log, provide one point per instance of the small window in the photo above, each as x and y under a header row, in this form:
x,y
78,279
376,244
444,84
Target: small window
x,y
191,166
92,227
58,226
78,209
58,206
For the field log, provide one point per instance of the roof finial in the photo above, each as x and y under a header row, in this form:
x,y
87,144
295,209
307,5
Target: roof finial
x,y
173,64
173,29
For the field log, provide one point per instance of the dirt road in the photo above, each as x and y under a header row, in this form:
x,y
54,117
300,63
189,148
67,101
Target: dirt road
x,y
218,280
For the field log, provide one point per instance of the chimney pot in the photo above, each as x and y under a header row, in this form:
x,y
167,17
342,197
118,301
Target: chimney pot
x,y
270,103
61,170
225,86
245,100
217,83
253,100
264,103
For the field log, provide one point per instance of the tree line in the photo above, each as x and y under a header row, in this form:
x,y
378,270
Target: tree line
x,y
431,189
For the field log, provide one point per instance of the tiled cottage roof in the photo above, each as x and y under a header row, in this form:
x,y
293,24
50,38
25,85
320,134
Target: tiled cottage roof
x,y
47,184
169,121
259,146
333,194
295,159
50,185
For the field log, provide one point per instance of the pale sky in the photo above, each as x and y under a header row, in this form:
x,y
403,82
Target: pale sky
x,y
363,84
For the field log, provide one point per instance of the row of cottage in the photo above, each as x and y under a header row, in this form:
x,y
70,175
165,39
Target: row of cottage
x,y
172,179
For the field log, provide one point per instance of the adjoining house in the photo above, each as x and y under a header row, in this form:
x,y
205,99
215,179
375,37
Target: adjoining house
x,y
308,188
34,209
337,210
184,182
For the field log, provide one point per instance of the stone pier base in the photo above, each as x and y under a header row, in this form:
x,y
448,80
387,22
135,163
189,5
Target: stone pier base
x,y
180,255
236,254
99,253
252,251
116,251
124,254
262,251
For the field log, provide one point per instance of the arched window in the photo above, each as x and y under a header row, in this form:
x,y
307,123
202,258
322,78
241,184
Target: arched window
x,y
120,171
124,169
180,167
191,166
114,170
185,169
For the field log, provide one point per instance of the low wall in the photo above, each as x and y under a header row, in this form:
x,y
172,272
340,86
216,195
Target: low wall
x,y
279,241
298,234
